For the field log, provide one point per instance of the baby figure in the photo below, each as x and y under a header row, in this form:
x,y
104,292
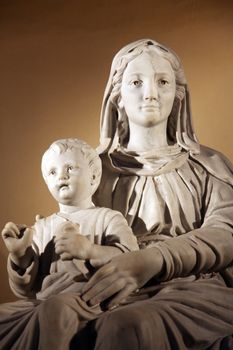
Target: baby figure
x,y
50,262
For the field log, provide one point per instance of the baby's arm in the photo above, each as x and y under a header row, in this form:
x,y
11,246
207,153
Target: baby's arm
x,y
18,240
22,264
69,244
115,237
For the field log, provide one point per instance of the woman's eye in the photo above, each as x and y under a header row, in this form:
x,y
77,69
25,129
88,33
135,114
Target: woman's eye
x,y
136,82
70,168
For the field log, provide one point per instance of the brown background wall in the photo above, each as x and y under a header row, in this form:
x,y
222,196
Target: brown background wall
x,y
54,62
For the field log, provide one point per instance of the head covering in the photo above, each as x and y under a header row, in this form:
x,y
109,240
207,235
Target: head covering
x,y
180,118
179,122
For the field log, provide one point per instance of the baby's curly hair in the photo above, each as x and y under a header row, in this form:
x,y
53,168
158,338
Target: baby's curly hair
x,y
90,154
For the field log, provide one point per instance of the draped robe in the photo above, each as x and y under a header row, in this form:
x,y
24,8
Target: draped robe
x,y
185,209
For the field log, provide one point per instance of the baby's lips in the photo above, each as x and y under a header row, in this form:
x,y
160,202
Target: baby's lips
x,y
63,184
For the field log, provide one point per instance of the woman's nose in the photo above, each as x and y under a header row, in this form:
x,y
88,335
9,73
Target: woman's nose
x,y
150,91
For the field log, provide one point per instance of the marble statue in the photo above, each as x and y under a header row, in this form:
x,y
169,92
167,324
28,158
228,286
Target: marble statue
x,y
177,196
175,292
49,263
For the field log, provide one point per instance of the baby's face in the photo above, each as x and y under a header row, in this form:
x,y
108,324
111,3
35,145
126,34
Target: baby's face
x,y
68,177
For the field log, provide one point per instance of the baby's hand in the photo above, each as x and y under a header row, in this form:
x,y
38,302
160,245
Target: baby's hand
x,y
17,238
70,245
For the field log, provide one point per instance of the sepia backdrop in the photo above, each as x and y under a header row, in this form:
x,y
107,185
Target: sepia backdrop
x,y
55,58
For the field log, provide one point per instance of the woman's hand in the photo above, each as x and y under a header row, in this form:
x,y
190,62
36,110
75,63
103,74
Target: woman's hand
x,y
122,276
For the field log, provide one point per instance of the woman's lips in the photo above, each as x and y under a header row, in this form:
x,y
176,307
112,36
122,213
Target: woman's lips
x,y
151,106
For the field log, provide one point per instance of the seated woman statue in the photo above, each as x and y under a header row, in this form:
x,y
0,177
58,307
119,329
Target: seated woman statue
x,y
175,292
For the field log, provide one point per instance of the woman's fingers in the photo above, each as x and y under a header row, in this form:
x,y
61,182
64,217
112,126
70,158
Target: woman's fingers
x,y
106,289
121,296
101,289
104,272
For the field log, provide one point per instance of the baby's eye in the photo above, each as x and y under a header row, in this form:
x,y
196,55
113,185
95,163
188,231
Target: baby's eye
x,y
70,168
163,82
52,172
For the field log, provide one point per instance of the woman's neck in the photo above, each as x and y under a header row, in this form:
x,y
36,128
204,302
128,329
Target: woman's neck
x,y
146,138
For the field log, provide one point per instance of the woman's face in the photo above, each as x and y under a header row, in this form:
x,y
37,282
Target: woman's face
x,y
148,90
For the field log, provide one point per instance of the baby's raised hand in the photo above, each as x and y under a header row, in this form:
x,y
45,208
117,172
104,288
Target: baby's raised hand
x,y
17,238
69,244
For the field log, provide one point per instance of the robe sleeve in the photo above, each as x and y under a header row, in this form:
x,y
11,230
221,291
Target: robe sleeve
x,y
208,248
21,281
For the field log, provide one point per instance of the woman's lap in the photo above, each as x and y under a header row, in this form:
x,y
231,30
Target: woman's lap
x,y
182,315
178,315
46,324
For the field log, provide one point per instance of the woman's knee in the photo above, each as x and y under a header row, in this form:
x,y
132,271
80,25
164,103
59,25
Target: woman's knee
x,y
128,328
57,308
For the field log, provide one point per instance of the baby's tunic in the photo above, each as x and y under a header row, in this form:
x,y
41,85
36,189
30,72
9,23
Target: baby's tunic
x,y
51,309
48,274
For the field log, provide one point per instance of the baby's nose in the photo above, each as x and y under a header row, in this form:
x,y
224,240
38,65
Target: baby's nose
x,y
63,175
